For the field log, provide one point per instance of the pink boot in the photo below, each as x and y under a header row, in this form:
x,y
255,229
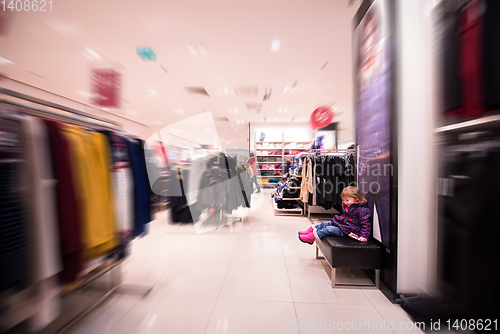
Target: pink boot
x,y
307,238
309,230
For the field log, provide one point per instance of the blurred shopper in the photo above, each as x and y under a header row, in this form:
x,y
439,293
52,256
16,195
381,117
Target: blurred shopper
x,y
253,162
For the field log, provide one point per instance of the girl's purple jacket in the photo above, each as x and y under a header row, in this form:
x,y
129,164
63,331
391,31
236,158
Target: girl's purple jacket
x,y
355,219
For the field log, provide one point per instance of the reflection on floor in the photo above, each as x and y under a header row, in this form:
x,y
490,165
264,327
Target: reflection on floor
x,y
247,277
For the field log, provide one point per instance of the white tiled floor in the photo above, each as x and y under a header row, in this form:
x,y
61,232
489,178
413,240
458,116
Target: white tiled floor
x,y
249,277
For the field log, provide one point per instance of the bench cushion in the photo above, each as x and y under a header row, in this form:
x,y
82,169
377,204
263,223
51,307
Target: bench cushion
x,y
342,252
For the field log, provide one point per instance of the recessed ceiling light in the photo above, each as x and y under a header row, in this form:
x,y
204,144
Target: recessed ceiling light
x,y
192,49
151,92
203,49
285,110
290,89
82,93
93,53
179,111
89,53
275,45
197,49
4,61
223,90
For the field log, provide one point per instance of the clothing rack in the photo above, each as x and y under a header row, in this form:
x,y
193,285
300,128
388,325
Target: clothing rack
x,y
323,152
108,265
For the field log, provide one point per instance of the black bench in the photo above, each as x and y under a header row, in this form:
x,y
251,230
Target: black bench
x,y
342,252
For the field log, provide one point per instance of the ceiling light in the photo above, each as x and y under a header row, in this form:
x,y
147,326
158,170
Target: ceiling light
x,y
151,92
93,53
4,61
275,45
280,110
192,49
82,93
223,90
131,112
234,110
85,54
290,89
179,111
203,49
89,53
286,110
197,49
157,122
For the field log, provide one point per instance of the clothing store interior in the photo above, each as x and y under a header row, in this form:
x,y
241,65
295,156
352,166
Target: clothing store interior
x,y
278,166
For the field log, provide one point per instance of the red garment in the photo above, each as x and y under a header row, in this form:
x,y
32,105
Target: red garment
x,y
67,207
471,23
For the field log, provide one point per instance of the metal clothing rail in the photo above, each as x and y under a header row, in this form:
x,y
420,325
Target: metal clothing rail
x,y
108,265
35,111
323,152
54,105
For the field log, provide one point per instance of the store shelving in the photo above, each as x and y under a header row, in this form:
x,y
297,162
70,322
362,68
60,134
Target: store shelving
x,y
262,148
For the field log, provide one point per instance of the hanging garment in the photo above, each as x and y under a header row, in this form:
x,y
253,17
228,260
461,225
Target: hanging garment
x,y
46,257
306,186
450,62
198,166
91,163
179,208
469,229
470,60
142,188
123,190
14,242
491,54
213,191
67,207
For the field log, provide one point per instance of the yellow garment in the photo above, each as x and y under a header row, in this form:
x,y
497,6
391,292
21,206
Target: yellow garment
x,y
265,181
91,166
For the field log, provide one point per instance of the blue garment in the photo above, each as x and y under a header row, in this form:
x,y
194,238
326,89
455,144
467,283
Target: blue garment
x,y
326,228
142,189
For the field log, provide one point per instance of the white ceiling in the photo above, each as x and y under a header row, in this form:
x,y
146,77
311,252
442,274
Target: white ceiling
x,y
238,35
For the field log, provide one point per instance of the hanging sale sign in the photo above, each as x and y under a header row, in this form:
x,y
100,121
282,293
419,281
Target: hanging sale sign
x,y
105,87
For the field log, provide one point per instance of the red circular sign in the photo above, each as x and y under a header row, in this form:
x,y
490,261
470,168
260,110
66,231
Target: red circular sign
x,y
321,117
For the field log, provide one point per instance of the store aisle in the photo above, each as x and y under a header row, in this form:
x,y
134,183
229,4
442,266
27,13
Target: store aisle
x,y
250,277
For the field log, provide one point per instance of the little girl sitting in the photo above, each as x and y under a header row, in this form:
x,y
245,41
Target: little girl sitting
x,y
354,222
